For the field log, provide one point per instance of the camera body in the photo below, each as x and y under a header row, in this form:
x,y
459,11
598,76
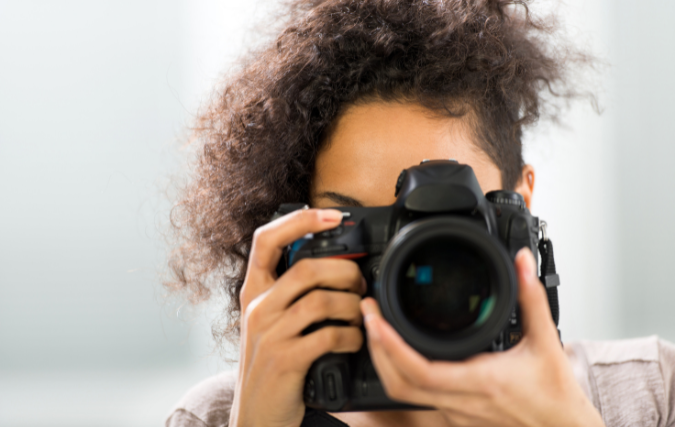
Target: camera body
x,y
439,261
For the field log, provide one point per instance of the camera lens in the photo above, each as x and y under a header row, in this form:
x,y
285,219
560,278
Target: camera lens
x,y
447,286
444,287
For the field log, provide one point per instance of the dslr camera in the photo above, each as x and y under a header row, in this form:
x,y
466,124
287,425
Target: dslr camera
x,y
439,262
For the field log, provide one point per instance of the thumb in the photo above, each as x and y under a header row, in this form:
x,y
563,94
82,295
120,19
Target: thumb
x,y
535,311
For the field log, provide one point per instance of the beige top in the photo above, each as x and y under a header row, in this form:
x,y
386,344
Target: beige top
x,y
631,383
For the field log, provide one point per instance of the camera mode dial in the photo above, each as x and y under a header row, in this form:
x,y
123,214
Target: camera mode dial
x,y
503,197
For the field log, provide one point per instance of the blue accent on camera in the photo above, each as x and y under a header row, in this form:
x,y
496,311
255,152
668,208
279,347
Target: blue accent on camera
x,y
294,249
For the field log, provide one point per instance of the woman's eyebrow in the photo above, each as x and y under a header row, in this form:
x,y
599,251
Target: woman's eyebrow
x,y
340,199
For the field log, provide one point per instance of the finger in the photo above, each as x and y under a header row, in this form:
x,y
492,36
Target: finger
x,y
399,386
308,274
270,240
537,321
330,339
396,385
389,341
316,306
433,376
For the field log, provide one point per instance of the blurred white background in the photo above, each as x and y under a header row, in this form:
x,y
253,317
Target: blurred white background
x,y
95,98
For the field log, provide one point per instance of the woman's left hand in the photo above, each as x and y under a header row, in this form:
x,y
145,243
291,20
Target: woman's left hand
x,y
532,384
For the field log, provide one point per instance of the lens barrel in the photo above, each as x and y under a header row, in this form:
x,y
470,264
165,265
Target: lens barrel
x,y
447,286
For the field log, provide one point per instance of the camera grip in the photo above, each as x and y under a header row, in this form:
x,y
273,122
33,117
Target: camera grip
x,y
328,383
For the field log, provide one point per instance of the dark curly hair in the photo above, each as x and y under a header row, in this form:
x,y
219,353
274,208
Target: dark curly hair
x,y
259,137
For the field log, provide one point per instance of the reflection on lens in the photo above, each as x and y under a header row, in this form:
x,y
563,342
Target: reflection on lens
x,y
444,287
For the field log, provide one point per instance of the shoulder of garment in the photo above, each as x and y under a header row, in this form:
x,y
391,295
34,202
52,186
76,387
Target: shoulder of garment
x,y
207,404
631,382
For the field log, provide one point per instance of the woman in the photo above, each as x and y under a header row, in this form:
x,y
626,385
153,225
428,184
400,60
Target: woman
x,y
348,95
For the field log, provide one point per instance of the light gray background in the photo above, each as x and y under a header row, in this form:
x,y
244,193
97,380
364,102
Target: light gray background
x,y
95,98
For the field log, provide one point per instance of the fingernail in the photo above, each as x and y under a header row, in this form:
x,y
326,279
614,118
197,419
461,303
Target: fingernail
x,y
371,327
526,259
331,215
367,307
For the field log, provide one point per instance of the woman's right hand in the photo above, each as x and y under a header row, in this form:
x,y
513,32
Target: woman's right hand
x,y
274,355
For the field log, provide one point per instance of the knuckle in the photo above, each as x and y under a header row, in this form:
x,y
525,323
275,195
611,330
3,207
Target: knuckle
x,y
252,317
425,379
355,339
314,304
354,302
303,217
353,273
258,244
309,215
330,338
493,392
396,389
318,301
259,235
490,385
497,388
354,270
305,268
353,309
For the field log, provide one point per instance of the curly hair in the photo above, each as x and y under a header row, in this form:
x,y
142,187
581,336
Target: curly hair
x,y
259,137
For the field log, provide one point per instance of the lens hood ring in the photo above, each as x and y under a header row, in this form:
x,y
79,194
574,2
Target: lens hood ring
x,y
503,281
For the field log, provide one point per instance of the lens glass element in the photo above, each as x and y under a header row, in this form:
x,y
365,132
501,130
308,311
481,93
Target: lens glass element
x,y
445,287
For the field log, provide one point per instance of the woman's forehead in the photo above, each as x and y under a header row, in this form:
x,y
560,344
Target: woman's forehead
x,y
369,145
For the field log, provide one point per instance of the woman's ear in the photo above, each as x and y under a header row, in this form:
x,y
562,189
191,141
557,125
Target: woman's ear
x,y
525,185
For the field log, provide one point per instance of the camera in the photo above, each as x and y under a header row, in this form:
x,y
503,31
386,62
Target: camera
x,y
439,262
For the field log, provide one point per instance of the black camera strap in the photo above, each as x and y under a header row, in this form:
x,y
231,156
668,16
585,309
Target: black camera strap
x,y
548,276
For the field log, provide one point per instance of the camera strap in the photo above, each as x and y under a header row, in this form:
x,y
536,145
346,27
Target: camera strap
x,y
548,276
